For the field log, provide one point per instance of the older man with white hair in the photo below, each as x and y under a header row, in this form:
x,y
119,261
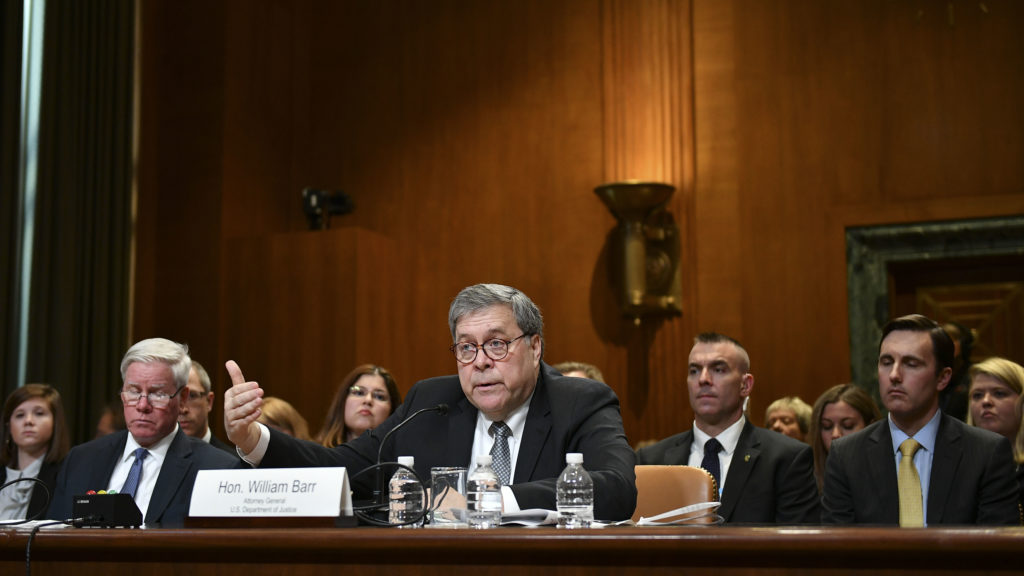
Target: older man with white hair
x,y
153,460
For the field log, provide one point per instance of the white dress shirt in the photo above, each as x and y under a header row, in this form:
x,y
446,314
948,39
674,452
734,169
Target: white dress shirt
x,y
729,438
14,499
922,458
150,469
483,442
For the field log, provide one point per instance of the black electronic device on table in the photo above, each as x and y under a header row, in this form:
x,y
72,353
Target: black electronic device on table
x,y
105,511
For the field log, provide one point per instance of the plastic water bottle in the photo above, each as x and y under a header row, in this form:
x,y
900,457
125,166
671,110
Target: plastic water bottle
x,y
575,494
483,495
405,502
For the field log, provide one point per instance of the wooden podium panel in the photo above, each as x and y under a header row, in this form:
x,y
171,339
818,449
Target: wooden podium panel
x,y
707,551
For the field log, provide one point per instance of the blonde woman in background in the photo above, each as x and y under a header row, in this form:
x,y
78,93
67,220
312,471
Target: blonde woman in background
x,y
790,416
281,415
992,399
995,403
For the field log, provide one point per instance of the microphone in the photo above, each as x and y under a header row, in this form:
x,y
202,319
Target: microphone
x,y
441,409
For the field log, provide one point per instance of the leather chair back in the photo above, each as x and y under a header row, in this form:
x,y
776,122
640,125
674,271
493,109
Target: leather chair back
x,y
664,488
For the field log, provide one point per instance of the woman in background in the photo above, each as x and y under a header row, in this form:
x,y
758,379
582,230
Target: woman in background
x,y
365,398
995,403
789,416
1018,449
35,443
992,398
843,409
281,415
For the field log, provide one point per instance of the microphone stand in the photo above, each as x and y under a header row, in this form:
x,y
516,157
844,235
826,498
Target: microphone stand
x,y
441,409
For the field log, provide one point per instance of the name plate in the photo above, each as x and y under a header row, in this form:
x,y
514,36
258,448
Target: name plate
x,y
271,492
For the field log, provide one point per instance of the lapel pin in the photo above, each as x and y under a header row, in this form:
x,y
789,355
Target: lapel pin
x,y
746,457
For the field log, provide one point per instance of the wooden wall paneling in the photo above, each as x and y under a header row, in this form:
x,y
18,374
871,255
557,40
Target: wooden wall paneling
x,y
259,192
294,299
717,265
648,136
950,100
459,126
468,135
831,129
717,232
932,156
781,87
994,311
177,227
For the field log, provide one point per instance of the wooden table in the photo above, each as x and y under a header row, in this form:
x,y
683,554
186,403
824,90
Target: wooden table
x,y
711,551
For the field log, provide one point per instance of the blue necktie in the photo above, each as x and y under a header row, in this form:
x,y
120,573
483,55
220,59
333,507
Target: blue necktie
x,y
135,473
501,461
710,463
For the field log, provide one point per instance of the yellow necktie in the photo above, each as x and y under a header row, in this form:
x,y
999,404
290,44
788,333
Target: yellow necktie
x,y
911,513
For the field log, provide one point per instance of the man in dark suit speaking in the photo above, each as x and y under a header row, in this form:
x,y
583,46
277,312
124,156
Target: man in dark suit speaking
x,y
763,477
153,459
504,399
918,467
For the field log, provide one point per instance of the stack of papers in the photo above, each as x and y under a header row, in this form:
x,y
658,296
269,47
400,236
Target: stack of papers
x,y
684,515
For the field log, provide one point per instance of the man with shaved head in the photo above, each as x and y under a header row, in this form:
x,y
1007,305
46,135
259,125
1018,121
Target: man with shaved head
x,y
762,477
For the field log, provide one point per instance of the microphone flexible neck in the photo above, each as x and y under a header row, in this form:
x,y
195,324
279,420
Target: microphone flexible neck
x,y
440,408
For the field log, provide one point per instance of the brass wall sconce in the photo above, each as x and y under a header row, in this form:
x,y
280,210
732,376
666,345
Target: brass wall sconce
x,y
645,249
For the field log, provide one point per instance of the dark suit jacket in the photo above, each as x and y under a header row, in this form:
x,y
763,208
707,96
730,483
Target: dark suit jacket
x,y
972,478
222,445
1020,481
89,466
770,479
566,415
40,499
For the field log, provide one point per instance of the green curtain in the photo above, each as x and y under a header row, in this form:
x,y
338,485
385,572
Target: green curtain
x,y
78,315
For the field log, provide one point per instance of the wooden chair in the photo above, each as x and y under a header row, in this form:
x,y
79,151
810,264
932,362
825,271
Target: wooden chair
x,y
663,488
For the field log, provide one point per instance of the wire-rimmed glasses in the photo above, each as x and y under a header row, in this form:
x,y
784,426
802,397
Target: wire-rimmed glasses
x,y
496,349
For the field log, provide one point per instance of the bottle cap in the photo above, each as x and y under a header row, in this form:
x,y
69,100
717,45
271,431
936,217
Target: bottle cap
x,y
573,458
484,460
406,461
